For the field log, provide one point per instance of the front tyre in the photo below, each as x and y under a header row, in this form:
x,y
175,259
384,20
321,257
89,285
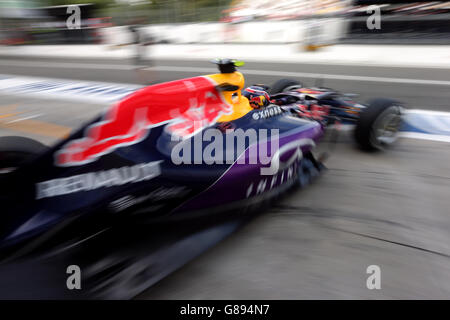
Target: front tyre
x,y
378,124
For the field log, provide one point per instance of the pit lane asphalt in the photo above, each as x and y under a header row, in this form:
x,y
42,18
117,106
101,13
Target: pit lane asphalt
x,y
388,209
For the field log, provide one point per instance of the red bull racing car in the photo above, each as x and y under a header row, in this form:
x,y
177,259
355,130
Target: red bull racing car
x,y
171,151
376,124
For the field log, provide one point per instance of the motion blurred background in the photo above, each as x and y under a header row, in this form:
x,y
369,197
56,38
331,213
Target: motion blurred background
x,y
284,21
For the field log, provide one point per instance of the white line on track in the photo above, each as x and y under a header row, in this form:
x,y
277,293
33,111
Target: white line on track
x,y
70,65
26,118
65,65
309,75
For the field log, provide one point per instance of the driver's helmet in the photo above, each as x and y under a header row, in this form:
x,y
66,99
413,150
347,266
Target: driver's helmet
x,y
257,96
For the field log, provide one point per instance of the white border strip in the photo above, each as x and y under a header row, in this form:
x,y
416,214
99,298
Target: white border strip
x,y
429,112
424,136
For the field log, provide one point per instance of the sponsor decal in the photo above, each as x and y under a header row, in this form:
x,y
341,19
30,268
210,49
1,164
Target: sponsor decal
x,y
296,146
179,103
313,111
257,97
309,91
267,113
162,193
276,180
258,101
280,172
95,180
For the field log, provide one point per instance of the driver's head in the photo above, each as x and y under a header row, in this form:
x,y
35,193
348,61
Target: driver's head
x,y
257,96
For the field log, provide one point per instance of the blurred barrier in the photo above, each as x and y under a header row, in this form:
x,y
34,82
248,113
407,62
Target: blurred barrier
x,y
400,29
116,35
320,31
271,32
395,29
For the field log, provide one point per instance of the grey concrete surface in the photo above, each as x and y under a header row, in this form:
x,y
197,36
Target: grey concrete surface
x,y
387,209
46,120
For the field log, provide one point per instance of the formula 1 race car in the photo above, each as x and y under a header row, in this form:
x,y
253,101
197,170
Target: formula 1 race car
x,y
376,124
178,150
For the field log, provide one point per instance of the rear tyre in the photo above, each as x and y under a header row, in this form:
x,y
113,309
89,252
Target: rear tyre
x,y
378,124
15,151
284,85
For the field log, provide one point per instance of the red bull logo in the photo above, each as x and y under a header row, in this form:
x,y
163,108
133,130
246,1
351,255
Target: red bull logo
x,y
258,101
179,104
257,97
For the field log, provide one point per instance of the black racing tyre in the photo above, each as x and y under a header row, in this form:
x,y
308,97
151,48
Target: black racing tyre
x,y
14,151
283,84
378,124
